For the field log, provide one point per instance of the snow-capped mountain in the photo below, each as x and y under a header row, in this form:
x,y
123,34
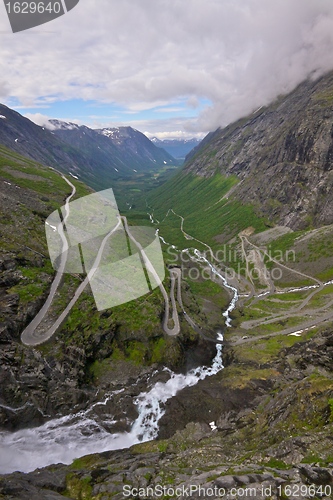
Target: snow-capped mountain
x,y
97,157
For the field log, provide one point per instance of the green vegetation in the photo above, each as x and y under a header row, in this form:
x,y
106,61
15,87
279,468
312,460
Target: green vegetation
x,y
321,246
325,98
284,243
29,292
200,200
279,324
264,350
274,463
315,458
236,377
330,404
129,192
135,329
34,192
79,488
43,180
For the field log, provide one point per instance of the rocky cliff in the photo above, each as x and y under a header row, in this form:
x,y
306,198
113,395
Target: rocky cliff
x,y
282,155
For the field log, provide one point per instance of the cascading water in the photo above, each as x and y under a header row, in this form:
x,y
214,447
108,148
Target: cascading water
x,y
66,438
72,436
215,271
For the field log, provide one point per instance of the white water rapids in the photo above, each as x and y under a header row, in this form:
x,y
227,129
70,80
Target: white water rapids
x,y
199,257
72,436
215,271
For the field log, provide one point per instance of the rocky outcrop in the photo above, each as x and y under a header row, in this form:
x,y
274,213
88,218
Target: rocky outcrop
x,y
271,439
118,475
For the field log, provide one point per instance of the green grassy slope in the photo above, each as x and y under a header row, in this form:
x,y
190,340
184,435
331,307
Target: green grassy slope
x,y
29,193
205,205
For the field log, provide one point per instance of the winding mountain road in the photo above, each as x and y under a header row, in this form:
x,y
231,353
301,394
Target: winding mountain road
x,y
313,316
176,328
29,335
292,312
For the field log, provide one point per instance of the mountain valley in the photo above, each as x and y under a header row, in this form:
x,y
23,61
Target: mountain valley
x,y
248,221
126,161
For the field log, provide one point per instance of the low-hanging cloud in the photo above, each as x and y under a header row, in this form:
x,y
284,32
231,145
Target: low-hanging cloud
x,y
238,55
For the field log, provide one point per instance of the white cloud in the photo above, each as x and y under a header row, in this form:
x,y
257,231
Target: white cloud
x,y
43,120
238,55
40,119
173,134
167,109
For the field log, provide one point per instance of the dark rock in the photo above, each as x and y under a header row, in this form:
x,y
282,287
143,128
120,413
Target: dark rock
x,y
226,482
316,475
212,398
54,480
99,474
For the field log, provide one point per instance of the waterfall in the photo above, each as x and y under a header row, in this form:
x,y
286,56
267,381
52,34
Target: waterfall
x,y
63,439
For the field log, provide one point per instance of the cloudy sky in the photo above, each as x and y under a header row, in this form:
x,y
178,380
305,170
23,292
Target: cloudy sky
x,y
166,67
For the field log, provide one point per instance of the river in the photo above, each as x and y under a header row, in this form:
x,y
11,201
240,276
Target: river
x,y
68,437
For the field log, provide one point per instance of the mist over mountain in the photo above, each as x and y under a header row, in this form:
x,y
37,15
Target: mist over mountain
x,y
282,156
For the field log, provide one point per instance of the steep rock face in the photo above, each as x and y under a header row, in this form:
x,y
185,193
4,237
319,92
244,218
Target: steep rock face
x,y
282,154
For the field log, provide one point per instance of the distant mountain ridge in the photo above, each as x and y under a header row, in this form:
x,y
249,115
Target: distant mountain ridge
x,y
178,148
98,157
121,149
